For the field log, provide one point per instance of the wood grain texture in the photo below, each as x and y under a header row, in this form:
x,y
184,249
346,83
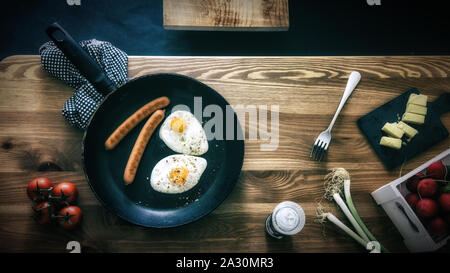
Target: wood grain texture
x,y
36,141
226,15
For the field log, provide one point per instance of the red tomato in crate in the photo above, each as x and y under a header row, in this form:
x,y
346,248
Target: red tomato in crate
x,y
427,208
427,187
437,170
413,181
438,227
444,202
412,200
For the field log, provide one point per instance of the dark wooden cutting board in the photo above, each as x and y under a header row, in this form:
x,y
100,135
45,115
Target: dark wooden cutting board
x,y
430,133
226,15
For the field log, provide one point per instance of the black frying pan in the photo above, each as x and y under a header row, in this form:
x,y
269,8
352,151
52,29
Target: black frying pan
x,y
138,202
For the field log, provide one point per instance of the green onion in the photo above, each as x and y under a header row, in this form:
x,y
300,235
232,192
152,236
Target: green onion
x,y
336,182
333,219
351,206
350,217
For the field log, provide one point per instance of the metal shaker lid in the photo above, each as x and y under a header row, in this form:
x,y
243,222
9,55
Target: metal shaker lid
x,y
288,218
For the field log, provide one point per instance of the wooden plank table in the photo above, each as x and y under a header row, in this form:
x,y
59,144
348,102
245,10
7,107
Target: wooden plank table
x,y
226,15
36,141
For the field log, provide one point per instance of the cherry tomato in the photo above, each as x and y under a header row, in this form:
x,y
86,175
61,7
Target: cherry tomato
x,y
66,192
38,189
43,212
70,217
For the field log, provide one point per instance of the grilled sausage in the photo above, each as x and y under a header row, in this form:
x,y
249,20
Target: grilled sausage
x,y
133,120
140,144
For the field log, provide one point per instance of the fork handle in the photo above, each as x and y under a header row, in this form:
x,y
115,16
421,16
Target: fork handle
x,y
352,82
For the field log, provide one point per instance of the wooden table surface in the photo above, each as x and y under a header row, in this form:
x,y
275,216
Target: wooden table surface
x,y
36,141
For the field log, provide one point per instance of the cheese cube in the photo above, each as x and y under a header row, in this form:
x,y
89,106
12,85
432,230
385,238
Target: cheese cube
x,y
416,109
418,99
392,130
409,131
413,118
391,142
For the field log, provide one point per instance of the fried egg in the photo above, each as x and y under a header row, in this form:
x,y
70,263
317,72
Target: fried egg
x,y
177,173
184,134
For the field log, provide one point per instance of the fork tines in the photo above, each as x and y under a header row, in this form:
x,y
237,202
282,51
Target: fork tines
x,y
319,149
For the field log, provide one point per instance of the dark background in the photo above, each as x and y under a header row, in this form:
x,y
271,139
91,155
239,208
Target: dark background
x,y
317,27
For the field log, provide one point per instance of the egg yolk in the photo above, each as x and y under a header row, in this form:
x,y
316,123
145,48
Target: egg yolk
x,y
178,175
177,124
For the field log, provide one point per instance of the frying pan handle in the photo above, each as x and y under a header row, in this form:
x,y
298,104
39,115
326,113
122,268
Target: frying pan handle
x,y
442,103
87,66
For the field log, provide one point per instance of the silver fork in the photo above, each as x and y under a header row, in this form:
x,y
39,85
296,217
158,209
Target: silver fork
x,y
323,140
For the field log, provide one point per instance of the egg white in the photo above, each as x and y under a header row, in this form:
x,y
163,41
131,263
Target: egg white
x,y
160,177
192,141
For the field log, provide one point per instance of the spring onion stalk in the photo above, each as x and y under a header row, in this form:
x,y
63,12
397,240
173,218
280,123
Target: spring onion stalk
x,y
334,184
354,212
350,217
344,228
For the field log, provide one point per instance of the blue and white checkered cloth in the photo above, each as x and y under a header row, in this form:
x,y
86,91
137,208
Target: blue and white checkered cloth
x,y
79,108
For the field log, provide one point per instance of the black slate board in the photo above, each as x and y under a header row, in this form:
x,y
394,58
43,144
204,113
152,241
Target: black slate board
x,y
430,133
